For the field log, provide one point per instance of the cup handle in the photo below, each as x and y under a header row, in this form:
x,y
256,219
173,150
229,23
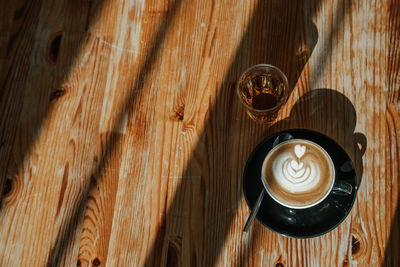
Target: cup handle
x,y
342,188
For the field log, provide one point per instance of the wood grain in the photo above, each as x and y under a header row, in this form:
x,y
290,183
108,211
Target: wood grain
x,y
393,40
122,142
392,200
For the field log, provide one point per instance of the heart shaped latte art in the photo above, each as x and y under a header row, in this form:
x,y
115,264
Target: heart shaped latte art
x,y
296,171
295,165
299,150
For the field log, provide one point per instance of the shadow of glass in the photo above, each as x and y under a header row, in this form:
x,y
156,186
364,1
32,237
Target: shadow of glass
x,y
331,113
29,87
202,211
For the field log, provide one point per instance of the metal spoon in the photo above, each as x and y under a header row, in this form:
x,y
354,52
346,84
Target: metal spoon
x,y
253,213
281,138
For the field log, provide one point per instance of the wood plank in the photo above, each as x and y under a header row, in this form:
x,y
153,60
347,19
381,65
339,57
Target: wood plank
x,y
178,121
393,56
392,200
32,169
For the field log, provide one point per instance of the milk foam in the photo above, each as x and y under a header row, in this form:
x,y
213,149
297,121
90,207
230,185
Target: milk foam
x,y
296,174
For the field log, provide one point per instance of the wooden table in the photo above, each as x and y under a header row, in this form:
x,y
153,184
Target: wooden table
x,y
123,143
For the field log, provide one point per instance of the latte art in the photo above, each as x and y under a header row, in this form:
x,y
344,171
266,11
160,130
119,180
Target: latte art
x,y
298,173
295,174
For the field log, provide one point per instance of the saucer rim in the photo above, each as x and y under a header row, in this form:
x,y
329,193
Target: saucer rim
x,y
295,131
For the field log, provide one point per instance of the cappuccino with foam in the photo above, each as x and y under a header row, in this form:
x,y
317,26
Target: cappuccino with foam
x,y
298,173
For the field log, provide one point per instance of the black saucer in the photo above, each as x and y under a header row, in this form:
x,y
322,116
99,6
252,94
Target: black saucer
x,y
300,223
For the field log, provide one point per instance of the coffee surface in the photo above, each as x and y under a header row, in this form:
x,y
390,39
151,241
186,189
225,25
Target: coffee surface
x,y
298,173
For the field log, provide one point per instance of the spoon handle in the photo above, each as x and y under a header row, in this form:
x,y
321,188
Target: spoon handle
x,y
254,211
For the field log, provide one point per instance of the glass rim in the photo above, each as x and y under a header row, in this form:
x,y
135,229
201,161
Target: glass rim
x,y
285,79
